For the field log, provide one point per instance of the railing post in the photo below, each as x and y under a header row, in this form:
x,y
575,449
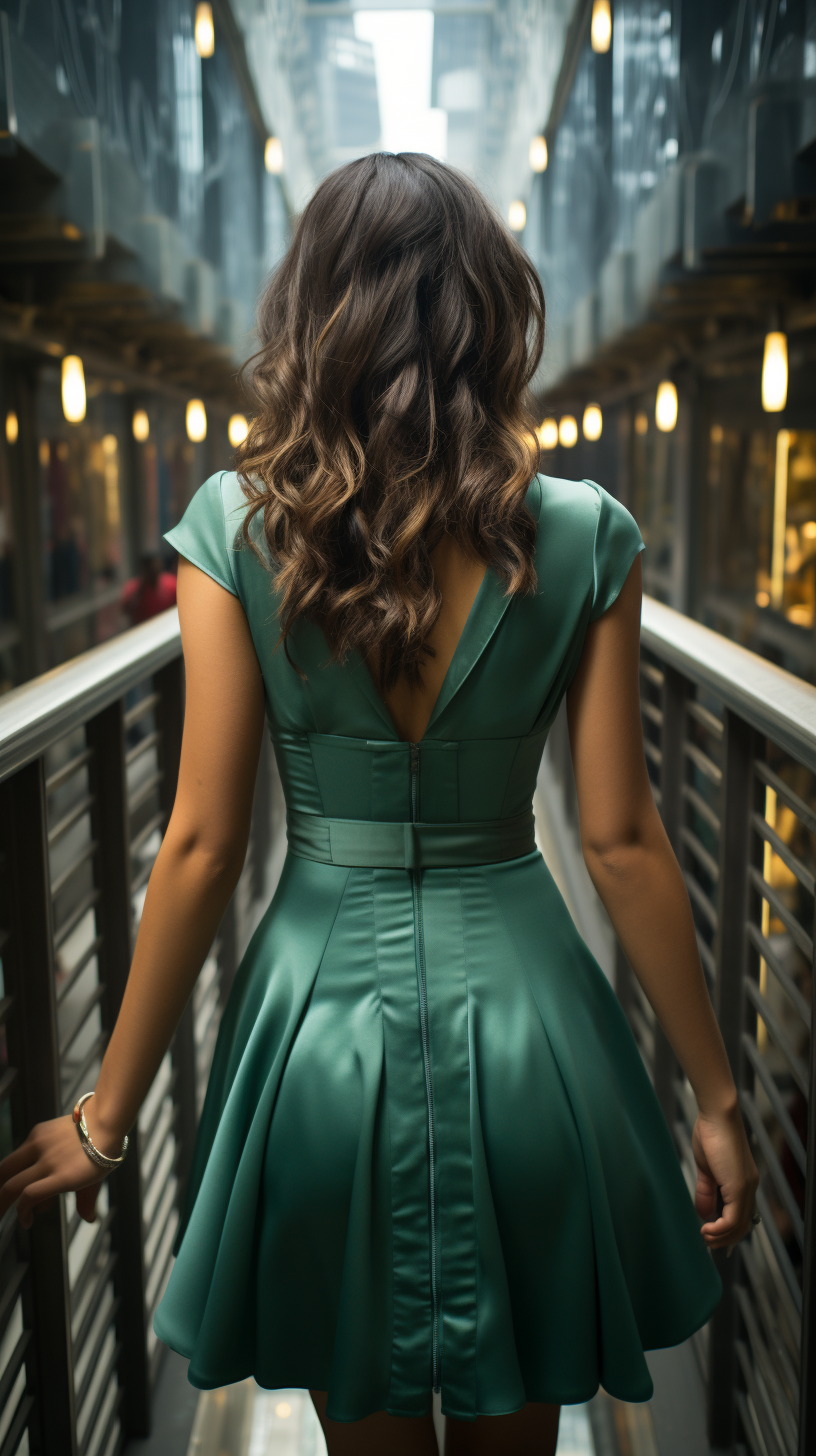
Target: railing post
x,y
106,736
807,1388
30,964
739,752
675,690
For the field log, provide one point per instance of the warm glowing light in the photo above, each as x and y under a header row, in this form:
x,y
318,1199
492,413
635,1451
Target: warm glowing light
x,y
12,427
763,599
547,434
73,389
539,156
283,1409
196,421
809,531
775,372
110,444
204,31
780,514
44,454
641,423
592,422
273,155
567,431
237,429
141,426
717,434
666,406
601,28
517,216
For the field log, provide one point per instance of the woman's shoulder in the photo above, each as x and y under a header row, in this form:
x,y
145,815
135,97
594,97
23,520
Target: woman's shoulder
x,y
586,531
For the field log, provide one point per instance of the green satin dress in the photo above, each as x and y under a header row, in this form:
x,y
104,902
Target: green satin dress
x,y
429,1155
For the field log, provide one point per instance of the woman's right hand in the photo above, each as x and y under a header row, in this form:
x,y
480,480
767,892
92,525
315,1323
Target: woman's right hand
x,y
724,1161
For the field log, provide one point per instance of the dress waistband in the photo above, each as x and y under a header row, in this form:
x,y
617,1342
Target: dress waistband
x,y
374,844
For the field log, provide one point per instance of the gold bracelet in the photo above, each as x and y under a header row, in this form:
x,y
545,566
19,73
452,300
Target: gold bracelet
x,y
101,1159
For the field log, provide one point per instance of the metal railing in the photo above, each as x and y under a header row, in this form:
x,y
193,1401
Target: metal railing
x,y
88,764
88,767
731,747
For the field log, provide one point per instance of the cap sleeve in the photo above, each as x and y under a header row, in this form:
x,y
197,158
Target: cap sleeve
x,y
617,543
201,537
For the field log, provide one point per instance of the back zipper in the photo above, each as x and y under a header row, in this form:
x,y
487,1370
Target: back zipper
x,y
419,947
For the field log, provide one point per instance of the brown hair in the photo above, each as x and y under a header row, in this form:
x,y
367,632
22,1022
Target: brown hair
x,y
398,338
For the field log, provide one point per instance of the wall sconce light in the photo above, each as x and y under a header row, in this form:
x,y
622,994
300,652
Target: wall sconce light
x,y
196,421
775,372
237,430
12,427
666,406
601,27
141,426
567,431
73,389
204,31
547,434
539,156
273,155
517,216
592,422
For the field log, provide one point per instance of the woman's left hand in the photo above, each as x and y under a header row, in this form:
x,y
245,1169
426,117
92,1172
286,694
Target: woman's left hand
x,y
52,1160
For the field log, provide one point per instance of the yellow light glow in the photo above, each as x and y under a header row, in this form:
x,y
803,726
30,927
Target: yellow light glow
x,y
12,427
141,426
641,423
601,28
44,454
73,389
567,431
547,434
517,216
196,421
592,422
110,444
666,406
717,434
283,1409
273,155
763,599
780,512
539,156
809,531
237,429
775,372
204,31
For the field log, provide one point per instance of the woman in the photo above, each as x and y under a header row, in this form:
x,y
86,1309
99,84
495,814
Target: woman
x,y
429,1156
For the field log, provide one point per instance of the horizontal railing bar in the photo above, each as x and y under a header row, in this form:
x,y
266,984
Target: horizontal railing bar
x,y
99,1043
89,1262
779,1035
144,791
707,720
76,971
652,751
788,795
750,1426
700,898
785,979
146,831
18,1425
781,1185
139,709
706,954
34,716
770,1320
775,702
89,1316
774,1096
760,1400
139,879
61,776
146,1134
104,1386
104,1439
141,747
90,1002
781,1255
68,820
650,711
86,903
15,1360
794,926
785,1309
779,847
652,673
701,854
86,853
9,1296
698,803
102,1335
778,1397
703,762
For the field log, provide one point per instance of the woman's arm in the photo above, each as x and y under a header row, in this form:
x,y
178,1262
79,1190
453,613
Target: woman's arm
x,y
195,873
633,868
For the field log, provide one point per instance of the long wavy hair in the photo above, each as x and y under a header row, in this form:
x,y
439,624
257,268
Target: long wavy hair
x,y
399,336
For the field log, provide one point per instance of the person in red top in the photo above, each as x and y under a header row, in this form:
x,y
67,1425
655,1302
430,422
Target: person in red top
x,y
152,591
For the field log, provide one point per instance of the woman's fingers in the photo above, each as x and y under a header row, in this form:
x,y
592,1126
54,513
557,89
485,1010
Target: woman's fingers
x,y
22,1157
705,1196
35,1193
86,1202
14,1188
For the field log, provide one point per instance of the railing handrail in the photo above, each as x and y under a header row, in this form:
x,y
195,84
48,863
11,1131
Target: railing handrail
x,y
774,701
35,715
